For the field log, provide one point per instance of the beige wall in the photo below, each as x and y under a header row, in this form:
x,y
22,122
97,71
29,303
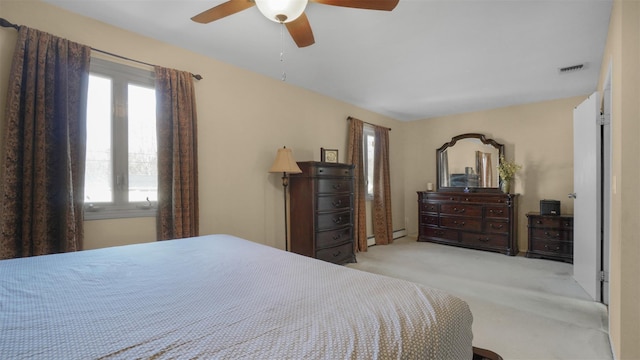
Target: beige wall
x,y
622,54
242,121
243,118
538,136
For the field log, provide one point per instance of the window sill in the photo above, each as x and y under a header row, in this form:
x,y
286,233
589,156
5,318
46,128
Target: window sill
x,y
105,214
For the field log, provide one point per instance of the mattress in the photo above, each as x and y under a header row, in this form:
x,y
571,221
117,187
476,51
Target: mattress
x,y
219,297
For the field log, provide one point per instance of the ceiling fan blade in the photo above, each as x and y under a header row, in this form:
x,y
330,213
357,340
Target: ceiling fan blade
x,y
300,31
225,9
386,5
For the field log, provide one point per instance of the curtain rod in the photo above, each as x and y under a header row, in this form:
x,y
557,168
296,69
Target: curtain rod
x,y
350,117
7,24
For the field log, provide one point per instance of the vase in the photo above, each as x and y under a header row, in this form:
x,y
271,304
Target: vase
x,y
505,186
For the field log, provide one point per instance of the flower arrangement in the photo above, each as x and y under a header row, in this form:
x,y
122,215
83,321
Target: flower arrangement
x,y
507,169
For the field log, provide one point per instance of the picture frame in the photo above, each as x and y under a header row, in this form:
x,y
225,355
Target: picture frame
x,y
329,155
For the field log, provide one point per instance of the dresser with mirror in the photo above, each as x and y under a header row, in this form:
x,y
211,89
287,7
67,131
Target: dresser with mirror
x,y
469,209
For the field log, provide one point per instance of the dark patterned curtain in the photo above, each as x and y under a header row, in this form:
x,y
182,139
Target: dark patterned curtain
x,y
355,156
178,215
382,223
484,168
44,146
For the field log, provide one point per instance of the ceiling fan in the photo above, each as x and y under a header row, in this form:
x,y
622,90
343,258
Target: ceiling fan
x,y
288,12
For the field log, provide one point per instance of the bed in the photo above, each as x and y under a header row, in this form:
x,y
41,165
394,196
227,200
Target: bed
x,y
219,297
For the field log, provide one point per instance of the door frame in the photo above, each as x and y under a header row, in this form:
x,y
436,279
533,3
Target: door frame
x,y
606,190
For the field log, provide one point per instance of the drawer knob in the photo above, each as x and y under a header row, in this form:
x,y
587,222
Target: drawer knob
x,y
499,212
459,211
555,249
337,253
337,220
484,240
337,236
336,203
460,224
547,234
494,226
337,186
539,222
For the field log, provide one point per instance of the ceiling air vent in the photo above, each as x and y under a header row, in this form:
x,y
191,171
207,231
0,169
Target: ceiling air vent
x,y
572,68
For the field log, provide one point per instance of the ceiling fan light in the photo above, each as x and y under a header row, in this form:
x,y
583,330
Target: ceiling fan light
x,y
281,11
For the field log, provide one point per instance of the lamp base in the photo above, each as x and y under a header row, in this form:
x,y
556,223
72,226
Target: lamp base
x,y
285,183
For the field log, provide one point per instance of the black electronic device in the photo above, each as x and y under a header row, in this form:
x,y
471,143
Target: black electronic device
x,y
549,207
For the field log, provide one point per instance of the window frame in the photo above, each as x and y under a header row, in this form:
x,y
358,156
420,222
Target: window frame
x,y
121,75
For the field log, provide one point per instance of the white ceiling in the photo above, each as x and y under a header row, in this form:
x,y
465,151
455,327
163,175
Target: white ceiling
x,y
424,59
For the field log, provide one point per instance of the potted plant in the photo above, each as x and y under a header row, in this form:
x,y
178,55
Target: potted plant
x,y
507,171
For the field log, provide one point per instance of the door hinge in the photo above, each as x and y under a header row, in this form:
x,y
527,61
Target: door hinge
x,y
604,119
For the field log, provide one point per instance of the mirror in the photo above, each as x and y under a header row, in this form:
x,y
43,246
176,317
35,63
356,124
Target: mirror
x,y
469,161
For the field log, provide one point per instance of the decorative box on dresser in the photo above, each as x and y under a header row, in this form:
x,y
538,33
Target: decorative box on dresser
x,y
321,200
483,221
550,237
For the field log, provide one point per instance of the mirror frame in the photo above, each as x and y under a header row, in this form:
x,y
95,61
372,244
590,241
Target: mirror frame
x,y
454,140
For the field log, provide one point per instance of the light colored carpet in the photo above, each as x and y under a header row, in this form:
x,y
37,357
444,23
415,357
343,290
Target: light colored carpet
x,y
522,308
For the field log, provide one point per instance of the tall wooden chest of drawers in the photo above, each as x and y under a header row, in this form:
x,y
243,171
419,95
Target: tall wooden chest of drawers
x,y
322,211
484,221
550,237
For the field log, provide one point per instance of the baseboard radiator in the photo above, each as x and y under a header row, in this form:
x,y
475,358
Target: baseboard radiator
x,y
396,235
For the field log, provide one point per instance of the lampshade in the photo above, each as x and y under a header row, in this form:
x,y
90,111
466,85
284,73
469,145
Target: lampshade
x,y
284,162
281,11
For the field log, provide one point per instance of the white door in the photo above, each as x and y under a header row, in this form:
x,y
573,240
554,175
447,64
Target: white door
x,y
586,191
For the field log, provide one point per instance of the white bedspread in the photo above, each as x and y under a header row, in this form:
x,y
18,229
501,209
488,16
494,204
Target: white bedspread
x,y
219,297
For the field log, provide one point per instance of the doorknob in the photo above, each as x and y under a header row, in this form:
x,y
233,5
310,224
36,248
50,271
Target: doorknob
x,y
572,195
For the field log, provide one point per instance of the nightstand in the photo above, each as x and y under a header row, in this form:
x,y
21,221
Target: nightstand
x,y
550,237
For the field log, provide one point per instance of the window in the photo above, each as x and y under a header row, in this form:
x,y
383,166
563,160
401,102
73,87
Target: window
x,y
121,164
369,148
